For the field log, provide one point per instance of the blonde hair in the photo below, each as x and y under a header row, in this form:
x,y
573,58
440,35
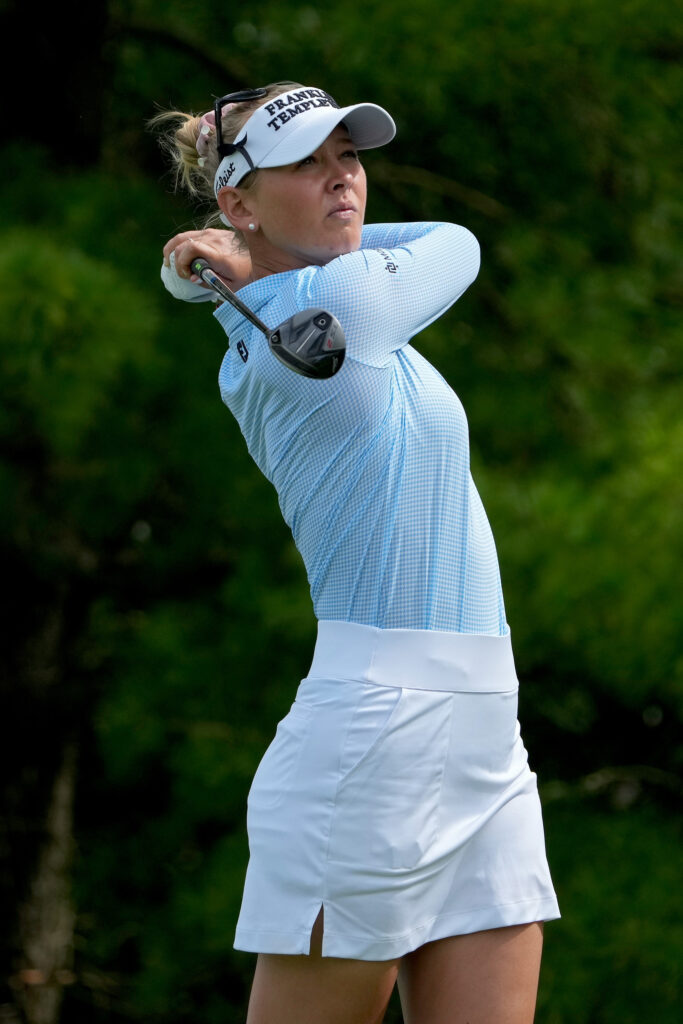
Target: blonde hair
x,y
178,140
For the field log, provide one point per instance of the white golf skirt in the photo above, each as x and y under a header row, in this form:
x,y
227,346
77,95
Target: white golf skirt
x,y
396,795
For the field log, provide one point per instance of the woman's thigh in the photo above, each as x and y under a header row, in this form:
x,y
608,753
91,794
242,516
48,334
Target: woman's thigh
x,y
320,990
490,977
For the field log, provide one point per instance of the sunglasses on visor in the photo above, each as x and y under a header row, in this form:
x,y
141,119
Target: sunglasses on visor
x,y
226,148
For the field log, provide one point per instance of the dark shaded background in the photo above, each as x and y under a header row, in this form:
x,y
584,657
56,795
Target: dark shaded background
x,y
155,613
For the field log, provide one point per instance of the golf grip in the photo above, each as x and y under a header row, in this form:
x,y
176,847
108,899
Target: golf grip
x,y
209,276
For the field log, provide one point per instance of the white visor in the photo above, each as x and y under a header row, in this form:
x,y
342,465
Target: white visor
x,y
291,126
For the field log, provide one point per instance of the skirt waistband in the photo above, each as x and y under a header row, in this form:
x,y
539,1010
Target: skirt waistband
x,y
417,659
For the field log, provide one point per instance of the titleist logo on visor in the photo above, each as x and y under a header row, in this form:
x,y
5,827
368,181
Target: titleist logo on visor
x,y
291,104
224,177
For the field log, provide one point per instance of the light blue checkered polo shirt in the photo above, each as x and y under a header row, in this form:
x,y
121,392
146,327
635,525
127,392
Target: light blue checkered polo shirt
x,y
371,467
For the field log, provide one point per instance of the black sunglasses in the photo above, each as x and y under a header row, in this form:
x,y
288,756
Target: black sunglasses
x,y
226,148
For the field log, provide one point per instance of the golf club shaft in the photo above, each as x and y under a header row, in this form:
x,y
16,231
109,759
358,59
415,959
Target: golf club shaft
x,y
203,270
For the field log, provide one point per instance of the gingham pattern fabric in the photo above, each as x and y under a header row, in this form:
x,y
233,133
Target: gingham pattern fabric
x,y
371,467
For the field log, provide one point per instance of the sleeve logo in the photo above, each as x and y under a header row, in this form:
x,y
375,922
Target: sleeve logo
x,y
388,262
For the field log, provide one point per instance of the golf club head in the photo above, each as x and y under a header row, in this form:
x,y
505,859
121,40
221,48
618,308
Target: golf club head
x,y
311,343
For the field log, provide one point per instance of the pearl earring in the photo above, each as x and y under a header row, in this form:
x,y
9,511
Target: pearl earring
x,y
252,227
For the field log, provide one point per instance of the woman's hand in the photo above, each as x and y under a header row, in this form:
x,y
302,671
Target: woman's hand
x,y
218,247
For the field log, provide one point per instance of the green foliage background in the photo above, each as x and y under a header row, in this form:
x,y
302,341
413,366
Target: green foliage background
x,y
156,612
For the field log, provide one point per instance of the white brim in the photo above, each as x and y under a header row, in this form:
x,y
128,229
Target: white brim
x,y
369,126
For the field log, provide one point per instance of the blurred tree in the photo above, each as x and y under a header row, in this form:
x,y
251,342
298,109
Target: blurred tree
x,y
63,362
60,101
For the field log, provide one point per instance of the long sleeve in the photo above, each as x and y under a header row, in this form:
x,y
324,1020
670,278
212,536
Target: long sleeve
x,y
403,278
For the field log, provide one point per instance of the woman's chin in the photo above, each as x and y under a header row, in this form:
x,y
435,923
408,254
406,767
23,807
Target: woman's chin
x,y
346,241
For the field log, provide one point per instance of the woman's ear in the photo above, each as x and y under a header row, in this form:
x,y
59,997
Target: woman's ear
x,y
236,207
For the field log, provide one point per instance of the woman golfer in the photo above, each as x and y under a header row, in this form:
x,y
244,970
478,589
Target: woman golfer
x,y
394,825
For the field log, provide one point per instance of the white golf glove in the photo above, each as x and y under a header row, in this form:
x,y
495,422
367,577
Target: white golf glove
x,y
181,288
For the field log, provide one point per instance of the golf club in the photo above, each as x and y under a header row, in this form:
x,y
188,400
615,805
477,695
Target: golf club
x,y
311,342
